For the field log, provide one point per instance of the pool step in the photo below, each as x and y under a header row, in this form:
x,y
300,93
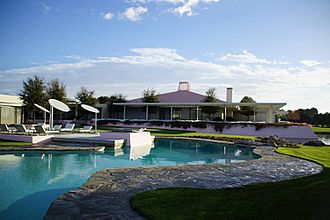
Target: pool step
x,y
115,143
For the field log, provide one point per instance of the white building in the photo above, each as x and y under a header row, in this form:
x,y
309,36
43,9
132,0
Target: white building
x,y
10,109
184,104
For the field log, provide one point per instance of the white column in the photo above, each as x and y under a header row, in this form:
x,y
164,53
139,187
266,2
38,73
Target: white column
x,y
147,112
95,122
254,114
76,113
270,118
51,117
225,114
197,113
124,114
171,114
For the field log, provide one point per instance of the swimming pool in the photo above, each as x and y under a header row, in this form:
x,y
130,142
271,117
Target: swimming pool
x,y
30,181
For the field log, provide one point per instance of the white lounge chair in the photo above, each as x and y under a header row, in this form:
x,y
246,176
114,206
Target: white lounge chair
x,y
4,128
41,130
42,124
57,128
68,127
139,131
22,128
86,129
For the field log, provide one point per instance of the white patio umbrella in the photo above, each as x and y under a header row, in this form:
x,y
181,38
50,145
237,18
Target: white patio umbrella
x,y
59,106
91,109
43,109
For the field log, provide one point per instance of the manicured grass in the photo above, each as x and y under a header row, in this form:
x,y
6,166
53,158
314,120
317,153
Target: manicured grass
x,y
5,143
303,198
320,130
320,155
179,133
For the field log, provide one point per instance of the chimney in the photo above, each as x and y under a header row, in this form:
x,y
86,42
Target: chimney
x,y
229,95
184,86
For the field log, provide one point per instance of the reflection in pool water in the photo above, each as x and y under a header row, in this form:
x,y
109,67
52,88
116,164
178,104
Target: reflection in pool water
x,y
30,181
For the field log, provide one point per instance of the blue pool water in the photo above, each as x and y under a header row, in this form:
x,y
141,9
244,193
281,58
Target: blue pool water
x,y
30,181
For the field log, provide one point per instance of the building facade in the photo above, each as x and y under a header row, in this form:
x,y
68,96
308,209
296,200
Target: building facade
x,y
184,104
11,109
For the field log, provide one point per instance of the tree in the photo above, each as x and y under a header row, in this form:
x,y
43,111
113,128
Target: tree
x,y
56,90
150,96
103,99
319,119
307,115
210,96
115,109
33,92
86,97
293,116
247,110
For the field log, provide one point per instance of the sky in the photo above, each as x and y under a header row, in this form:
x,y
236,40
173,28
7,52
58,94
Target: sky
x,y
273,51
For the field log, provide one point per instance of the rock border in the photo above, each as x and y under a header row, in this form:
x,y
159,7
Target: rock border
x,y
107,193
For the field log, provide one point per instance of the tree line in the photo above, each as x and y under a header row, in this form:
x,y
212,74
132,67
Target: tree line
x,y
36,90
310,116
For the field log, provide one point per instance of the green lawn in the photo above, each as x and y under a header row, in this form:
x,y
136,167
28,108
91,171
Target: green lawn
x,y
320,130
320,155
5,143
303,198
179,133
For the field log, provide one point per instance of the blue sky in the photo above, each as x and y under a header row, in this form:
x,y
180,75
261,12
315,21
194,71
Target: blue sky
x,y
272,50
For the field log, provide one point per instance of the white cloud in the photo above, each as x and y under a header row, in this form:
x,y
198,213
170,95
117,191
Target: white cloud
x,y
181,7
188,6
163,68
45,8
107,15
74,57
247,57
134,13
310,63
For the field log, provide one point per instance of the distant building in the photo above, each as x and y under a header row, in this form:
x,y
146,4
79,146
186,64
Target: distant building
x,y
184,104
11,109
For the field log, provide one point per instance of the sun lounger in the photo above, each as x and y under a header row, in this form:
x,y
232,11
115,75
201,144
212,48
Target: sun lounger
x,y
68,127
4,128
22,129
139,131
57,128
41,130
86,129
42,124
12,128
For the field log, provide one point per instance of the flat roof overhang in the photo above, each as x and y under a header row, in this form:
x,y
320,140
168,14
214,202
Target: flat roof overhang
x,y
265,105
8,104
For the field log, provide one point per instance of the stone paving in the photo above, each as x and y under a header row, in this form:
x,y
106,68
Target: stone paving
x,y
107,193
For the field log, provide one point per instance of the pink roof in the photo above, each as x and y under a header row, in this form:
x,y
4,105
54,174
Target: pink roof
x,y
182,96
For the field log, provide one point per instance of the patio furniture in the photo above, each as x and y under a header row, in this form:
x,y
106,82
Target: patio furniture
x,y
68,127
86,129
42,124
22,129
57,127
4,128
139,131
12,128
41,130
